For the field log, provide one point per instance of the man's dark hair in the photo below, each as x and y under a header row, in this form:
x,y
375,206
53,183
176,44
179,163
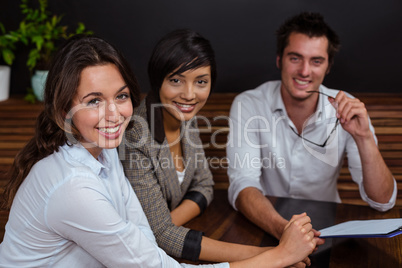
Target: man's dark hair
x,y
312,25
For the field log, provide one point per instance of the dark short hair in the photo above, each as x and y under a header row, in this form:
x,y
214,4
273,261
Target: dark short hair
x,y
177,52
312,25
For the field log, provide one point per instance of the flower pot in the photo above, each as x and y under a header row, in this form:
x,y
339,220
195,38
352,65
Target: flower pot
x,y
38,82
5,72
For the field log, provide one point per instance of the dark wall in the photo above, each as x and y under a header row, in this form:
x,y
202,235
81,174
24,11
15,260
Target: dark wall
x,y
242,33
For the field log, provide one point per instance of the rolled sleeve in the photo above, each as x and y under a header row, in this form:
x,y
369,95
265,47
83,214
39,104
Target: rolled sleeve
x,y
379,206
237,185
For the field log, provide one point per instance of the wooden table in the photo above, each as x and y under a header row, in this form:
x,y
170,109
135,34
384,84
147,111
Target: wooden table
x,y
220,221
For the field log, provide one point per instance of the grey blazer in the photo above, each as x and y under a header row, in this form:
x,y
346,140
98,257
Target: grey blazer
x,y
148,165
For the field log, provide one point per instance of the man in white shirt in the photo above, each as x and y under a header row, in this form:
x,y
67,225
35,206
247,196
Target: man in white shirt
x,y
288,138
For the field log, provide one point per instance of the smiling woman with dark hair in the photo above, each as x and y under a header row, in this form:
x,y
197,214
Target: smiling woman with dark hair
x,y
164,159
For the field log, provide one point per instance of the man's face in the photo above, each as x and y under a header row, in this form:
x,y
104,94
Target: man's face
x,y
303,65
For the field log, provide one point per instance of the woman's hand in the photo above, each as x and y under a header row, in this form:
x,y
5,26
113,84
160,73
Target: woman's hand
x,y
298,240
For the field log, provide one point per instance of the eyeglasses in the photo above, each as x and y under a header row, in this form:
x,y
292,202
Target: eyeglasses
x,y
332,131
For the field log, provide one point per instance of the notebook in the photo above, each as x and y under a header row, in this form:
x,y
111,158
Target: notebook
x,y
364,228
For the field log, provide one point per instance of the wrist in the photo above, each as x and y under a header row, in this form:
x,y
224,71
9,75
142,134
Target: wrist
x,y
281,258
364,139
278,227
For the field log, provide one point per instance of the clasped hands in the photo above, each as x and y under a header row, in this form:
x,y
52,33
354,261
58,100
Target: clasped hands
x,y
299,240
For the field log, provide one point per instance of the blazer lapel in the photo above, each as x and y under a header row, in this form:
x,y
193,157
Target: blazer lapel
x,y
169,175
189,156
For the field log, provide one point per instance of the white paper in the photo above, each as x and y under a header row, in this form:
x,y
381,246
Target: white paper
x,y
363,228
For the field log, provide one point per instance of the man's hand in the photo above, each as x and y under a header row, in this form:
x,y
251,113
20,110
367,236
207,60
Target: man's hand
x,y
320,241
377,179
352,115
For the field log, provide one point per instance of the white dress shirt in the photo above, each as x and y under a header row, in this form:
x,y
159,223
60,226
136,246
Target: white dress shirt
x,y
75,211
264,152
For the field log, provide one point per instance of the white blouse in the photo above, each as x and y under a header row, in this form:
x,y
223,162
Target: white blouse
x,y
180,175
75,211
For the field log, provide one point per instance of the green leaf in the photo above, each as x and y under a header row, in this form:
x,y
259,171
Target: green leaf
x,y
23,27
8,56
35,15
49,26
43,5
80,29
30,96
32,58
12,37
55,20
24,40
38,40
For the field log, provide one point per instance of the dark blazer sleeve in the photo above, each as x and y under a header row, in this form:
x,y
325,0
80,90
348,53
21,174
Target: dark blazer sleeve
x,y
142,168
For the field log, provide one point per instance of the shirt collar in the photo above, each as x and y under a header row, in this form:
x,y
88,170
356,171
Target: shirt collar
x,y
78,153
276,100
320,105
325,110
278,105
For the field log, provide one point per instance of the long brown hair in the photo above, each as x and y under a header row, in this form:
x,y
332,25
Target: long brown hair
x,y
78,53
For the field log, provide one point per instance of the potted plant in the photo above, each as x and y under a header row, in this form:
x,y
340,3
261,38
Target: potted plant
x,y
7,46
42,32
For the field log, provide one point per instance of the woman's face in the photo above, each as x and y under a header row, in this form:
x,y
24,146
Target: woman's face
x,y
102,108
183,95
